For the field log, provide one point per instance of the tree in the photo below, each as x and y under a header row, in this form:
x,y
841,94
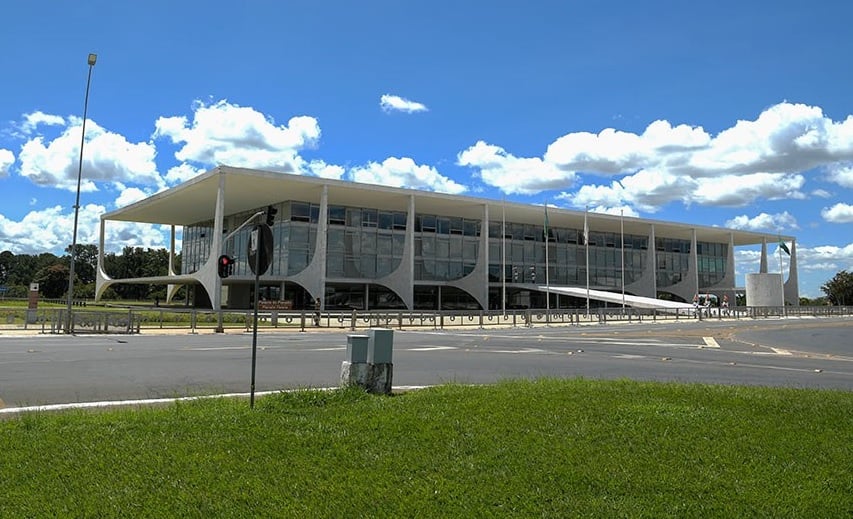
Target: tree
x,y
817,301
839,289
135,262
53,280
7,259
85,262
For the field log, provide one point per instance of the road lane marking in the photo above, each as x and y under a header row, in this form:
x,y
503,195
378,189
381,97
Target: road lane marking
x,y
780,351
151,401
710,342
219,348
522,350
432,348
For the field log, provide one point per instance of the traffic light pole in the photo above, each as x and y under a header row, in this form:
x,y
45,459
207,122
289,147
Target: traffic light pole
x,y
255,320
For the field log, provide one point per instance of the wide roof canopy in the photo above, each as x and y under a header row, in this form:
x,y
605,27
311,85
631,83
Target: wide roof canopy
x,y
246,190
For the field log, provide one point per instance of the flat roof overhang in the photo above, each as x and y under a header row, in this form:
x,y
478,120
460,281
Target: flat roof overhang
x,y
246,189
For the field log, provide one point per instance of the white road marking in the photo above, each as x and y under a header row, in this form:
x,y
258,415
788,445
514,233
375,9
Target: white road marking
x,y
219,348
780,351
522,350
432,348
627,356
710,342
114,403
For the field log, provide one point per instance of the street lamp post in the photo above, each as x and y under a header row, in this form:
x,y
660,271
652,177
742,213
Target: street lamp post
x,y
68,327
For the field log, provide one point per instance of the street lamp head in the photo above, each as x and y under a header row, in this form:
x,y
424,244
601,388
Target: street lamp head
x,y
92,59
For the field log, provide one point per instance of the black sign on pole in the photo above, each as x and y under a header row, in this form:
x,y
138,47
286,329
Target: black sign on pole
x,y
260,254
260,245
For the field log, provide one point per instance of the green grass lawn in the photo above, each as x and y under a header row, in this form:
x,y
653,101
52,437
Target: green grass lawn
x,y
549,448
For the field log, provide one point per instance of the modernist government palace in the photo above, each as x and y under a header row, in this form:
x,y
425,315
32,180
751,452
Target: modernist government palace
x,y
371,247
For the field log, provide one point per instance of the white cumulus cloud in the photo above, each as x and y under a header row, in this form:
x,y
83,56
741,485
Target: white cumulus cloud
x,y
740,190
766,158
404,172
118,235
129,195
392,103
33,120
323,170
826,257
7,158
107,157
612,151
764,222
512,174
49,229
842,175
181,173
839,213
226,133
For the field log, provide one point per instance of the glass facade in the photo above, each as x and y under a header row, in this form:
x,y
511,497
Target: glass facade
x,y
195,248
712,262
446,248
364,244
566,258
673,259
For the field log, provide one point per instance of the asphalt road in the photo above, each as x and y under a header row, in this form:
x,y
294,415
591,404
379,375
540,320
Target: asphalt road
x,y
45,369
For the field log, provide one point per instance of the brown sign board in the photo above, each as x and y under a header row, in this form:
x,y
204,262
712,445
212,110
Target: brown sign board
x,y
275,305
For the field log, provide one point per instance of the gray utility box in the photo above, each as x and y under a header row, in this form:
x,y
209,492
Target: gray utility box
x,y
357,346
380,346
368,363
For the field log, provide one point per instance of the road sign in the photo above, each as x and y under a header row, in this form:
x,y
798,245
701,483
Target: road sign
x,y
260,248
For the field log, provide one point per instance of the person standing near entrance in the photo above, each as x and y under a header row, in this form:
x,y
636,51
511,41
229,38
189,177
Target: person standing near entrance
x,y
317,306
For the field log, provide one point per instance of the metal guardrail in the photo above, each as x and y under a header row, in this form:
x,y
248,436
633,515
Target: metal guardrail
x,y
137,320
83,321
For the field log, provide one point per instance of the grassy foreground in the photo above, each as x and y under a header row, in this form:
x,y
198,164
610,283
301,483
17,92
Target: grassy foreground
x,y
548,448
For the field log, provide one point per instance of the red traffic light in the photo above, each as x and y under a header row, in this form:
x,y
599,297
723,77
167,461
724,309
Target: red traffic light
x,y
226,266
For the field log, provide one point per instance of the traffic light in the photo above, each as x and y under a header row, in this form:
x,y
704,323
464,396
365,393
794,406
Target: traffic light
x,y
271,212
226,266
533,274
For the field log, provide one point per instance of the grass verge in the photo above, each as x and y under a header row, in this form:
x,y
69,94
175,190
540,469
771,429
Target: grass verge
x,y
554,448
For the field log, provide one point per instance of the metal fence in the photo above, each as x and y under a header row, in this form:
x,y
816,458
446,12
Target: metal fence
x,y
139,320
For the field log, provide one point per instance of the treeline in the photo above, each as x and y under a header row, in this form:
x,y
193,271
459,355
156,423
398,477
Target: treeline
x,y
51,272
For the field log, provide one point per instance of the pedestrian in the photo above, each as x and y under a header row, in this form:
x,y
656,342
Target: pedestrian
x,y
317,307
725,304
696,305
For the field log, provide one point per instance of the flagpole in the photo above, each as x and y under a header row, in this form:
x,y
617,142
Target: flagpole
x,y
781,275
622,231
547,274
503,256
586,245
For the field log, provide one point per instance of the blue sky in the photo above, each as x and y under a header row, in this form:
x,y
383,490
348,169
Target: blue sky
x,y
734,114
